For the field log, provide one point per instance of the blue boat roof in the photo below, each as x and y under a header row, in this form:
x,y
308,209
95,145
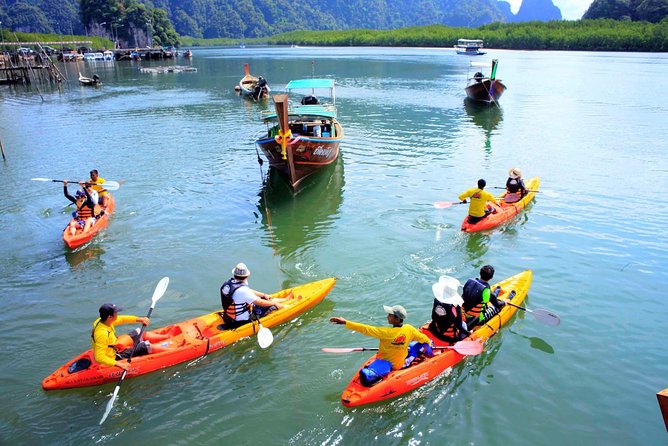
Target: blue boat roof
x,y
305,110
310,83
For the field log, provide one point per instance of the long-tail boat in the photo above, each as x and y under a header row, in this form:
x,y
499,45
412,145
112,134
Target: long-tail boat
x,y
302,138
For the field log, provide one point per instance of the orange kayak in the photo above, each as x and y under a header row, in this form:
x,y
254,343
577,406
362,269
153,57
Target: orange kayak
x,y
81,237
189,340
504,212
425,369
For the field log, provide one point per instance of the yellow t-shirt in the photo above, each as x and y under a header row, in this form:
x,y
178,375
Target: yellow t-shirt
x,y
104,338
394,341
96,185
479,199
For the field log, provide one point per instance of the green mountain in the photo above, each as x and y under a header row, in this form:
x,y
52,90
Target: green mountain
x,y
258,18
641,10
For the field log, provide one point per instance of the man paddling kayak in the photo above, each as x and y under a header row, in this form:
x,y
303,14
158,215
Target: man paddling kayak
x,y
393,346
103,338
239,300
478,297
96,181
479,197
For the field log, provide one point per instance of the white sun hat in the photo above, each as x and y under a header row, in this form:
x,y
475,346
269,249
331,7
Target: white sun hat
x,y
446,291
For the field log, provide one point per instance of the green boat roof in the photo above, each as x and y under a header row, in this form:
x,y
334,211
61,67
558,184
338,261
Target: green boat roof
x,y
310,83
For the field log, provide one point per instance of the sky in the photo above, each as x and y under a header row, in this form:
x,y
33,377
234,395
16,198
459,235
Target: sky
x,y
570,9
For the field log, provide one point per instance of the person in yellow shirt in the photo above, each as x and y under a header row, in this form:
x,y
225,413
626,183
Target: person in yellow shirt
x,y
393,345
479,197
96,181
103,338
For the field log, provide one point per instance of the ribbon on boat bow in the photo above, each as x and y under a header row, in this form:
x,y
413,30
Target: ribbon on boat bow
x,y
285,139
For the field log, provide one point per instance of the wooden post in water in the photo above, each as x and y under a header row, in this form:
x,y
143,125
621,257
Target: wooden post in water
x,y
3,150
663,404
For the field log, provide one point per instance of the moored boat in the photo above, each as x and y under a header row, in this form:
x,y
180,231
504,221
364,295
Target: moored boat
x,y
469,47
189,340
89,81
424,370
485,89
253,87
504,212
302,138
81,237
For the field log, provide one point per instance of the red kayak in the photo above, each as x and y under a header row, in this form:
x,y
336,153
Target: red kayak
x,y
81,237
504,212
423,370
188,340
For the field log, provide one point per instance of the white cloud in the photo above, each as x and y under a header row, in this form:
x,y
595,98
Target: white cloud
x,y
570,9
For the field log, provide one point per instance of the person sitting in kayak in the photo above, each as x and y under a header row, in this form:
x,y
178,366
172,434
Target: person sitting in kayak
x,y
478,208
478,296
87,208
393,345
96,181
447,322
239,300
103,338
515,188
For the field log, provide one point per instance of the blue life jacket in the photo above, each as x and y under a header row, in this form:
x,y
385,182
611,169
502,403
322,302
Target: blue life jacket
x,y
472,295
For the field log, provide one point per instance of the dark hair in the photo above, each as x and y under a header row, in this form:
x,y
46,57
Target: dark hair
x,y
94,171
482,183
487,272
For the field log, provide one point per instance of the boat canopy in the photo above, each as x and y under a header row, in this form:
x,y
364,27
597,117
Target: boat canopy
x,y
305,111
469,42
310,83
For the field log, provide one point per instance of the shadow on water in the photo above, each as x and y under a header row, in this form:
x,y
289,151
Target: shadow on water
x,y
536,342
487,117
295,220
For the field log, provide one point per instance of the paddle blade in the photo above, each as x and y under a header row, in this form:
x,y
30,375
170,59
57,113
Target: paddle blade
x,y
111,185
264,337
342,349
110,404
160,290
546,316
41,179
443,204
468,348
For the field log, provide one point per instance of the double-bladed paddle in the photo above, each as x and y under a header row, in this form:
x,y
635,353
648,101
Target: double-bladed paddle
x,y
157,294
109,185
546,316
466,348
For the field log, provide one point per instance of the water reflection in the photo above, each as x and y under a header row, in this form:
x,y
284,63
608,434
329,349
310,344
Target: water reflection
x,y
85,256
295,220
484,116
477,244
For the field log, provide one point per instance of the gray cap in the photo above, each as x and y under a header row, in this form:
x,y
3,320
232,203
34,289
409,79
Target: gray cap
x,y
396,310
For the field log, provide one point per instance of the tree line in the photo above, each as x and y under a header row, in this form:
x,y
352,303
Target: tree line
x,y
580,35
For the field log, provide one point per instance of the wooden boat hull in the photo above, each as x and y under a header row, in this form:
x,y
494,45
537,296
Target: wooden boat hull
x,y
305,157
80,237
504,212
487,91
402,381
190,340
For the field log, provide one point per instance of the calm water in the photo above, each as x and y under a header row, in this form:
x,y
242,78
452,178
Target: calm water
x,y
591,125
